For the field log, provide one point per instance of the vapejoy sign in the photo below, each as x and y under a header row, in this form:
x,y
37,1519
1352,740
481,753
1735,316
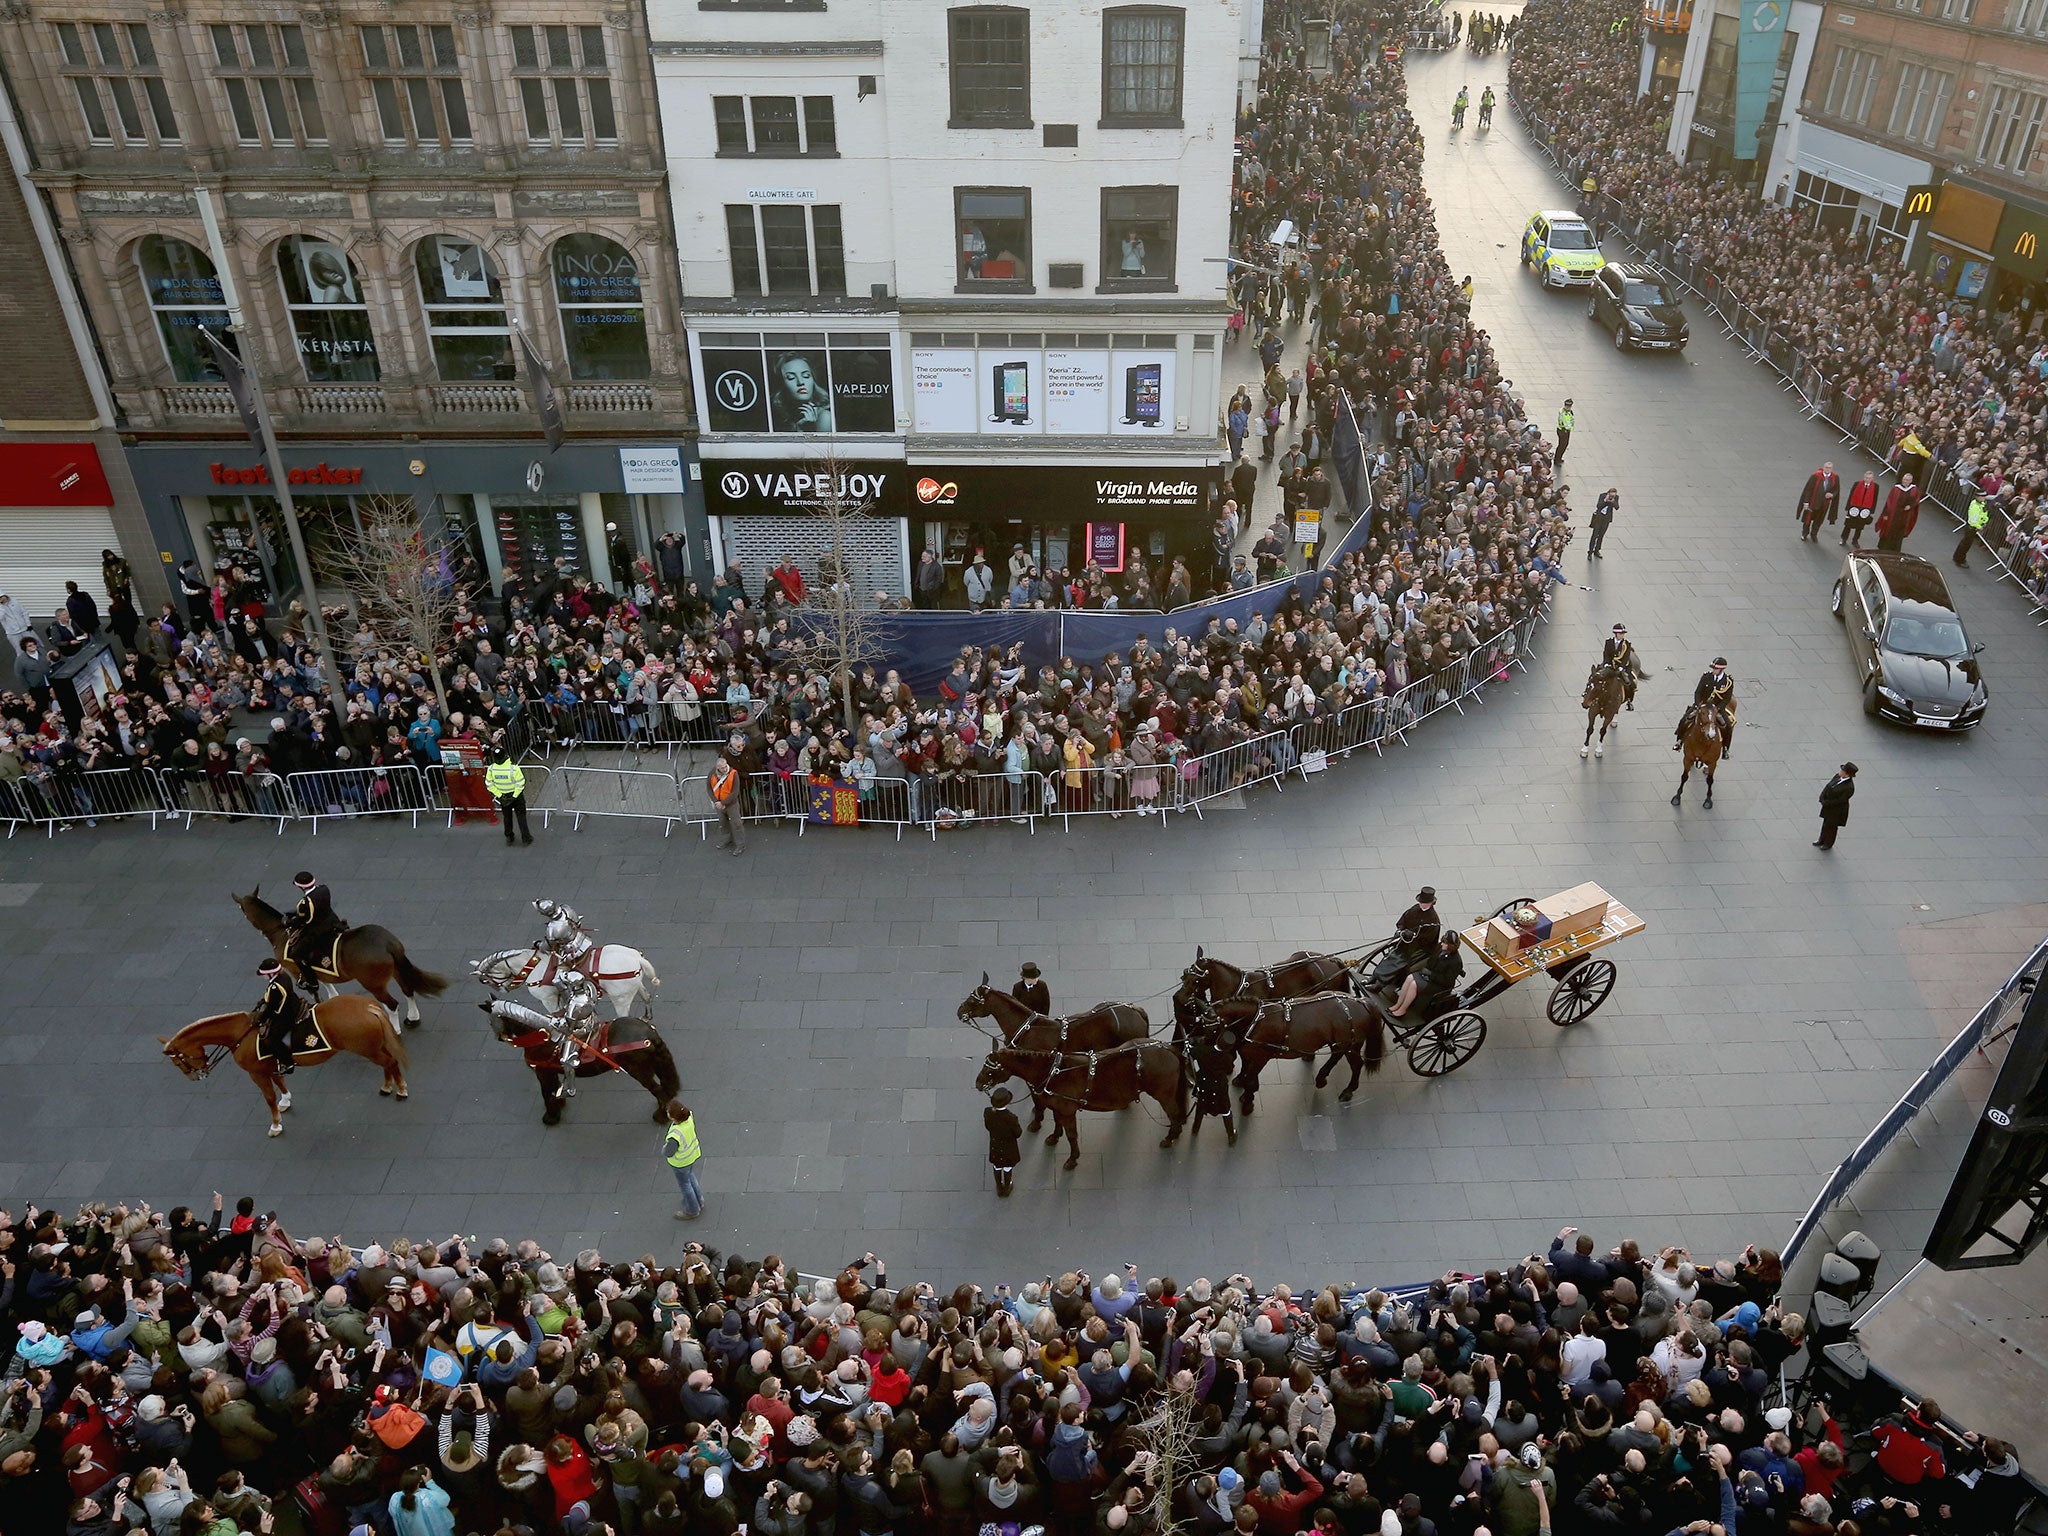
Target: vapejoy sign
x,y
769,488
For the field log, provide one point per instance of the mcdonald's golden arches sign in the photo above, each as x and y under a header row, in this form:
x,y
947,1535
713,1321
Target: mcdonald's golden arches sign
x,y
2022,244
1920,200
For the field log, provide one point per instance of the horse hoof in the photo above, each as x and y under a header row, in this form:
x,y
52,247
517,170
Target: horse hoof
x,y
1582,752
1168,1142
403,1095
552,1117
276,1130
284,1101
1053,1140
1597,752
1674,799
1072,1162
1346,1096
383,1093
1707,804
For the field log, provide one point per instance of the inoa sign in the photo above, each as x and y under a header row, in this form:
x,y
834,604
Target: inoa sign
x,y
761,488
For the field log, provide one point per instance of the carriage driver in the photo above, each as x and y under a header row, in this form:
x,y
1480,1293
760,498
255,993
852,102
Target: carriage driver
x,y
1620,655
310,928
1716,688
280,1014
1434,980
1415,936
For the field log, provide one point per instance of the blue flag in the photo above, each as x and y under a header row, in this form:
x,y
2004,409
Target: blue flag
x,y
442,1368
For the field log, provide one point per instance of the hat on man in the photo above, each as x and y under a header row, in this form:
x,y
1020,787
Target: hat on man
x,y
1427,895
1000,1098
1849,769
304,881
1720,661
270,967
1621,629
1269,1483
1030,967
1778,1418
263,1351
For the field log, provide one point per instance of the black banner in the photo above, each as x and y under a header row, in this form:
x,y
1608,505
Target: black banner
x,y
1039,493
772,487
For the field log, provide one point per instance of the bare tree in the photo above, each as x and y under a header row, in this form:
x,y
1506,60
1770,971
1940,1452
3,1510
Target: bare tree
x,y
398,579
845,629
1170,1429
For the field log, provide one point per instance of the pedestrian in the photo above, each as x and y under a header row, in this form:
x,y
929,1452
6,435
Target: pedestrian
x,y
1235,427
1031,989
14,620
1297,386
1835,796
1862,507
725,782
1603,519
506,781
681,1148
930,589
1564,433
1819,501
1901,512
1005,1139
980,581
1973,525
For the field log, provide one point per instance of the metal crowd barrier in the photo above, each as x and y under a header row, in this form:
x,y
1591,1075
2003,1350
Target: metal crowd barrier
x,y
648,796
235,795
58,800
332,794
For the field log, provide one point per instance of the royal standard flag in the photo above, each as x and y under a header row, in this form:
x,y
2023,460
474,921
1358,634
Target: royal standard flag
x,y
833,804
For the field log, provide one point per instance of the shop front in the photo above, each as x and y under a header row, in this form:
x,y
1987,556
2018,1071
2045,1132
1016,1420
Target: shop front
x,y
56,515
512,507
1064,515
767,510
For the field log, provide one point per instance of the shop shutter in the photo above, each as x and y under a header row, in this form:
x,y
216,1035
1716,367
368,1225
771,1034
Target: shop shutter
x,y
41,548
873,551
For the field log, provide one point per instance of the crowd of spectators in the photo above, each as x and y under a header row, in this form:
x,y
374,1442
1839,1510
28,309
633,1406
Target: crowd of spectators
x,y
1468,528
1967,380
185,1375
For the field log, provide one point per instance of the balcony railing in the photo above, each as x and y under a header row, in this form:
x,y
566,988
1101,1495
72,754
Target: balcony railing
x,y
298,406
480,399
339,399
612,399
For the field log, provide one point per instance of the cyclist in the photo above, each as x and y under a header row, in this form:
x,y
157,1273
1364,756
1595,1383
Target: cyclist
x,y
1486,108
1458,107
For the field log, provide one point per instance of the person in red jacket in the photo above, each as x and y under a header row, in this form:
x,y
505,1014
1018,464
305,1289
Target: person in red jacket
x,y
570,1473
1278,1510
1901,512
1823,1465
1862,507
1906,1452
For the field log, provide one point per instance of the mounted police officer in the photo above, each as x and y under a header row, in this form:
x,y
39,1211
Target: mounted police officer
x,y
311,929
1619,654
1716,689
280,1015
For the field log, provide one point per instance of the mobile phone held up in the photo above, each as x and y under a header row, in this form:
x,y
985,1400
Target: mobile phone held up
x,y
1012,393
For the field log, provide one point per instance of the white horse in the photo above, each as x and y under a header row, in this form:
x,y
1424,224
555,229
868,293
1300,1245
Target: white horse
x,y
623,975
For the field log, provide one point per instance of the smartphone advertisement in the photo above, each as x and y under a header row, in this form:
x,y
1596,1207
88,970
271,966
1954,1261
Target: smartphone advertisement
x,y
942,391
1010,385
1141,393
1077,393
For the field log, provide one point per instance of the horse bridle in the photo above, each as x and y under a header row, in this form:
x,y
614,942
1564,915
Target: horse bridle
x,y
210,1056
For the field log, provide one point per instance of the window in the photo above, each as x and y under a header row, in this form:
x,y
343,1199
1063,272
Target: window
x,y
2012,126
1850,85
114,72
604,323
1141,67
565,88
2029,16
1138,236
184,294
1952,10
781,125
990,52
995,236
415,77
465,311
1920,104
330,322
785,248
269,84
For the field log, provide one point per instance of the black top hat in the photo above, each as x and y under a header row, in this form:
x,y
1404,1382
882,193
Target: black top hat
x,y
1427,894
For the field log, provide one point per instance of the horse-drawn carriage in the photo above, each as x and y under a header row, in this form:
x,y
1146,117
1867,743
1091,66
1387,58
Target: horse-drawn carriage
x,y
1444,1033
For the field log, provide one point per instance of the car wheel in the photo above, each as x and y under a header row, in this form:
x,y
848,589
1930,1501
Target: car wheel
x,y
1835,602
1621,338
1870,696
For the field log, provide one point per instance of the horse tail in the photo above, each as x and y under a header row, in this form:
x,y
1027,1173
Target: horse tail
x,y
648,979
1375,1038
414,980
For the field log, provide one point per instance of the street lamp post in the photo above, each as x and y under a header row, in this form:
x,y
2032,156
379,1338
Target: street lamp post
x,y
316,622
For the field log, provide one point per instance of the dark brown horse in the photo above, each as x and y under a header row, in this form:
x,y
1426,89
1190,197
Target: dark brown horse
x,y
1302,974
1703,745
1104,1025
629,1045
359,1026
1352,1029
1605,693
370,956
1071,1081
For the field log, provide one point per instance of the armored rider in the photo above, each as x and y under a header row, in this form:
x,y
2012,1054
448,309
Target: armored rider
x,y
310,929
280,1015
1716,689
1619,654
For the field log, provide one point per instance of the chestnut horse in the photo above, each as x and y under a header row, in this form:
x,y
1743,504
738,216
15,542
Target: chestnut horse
x,y
369,955
1605,693
1302,974
1703,744
1071,1081
1353,1029
359,1026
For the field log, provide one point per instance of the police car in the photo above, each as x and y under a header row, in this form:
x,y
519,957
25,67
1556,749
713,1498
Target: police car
x,y
1561,247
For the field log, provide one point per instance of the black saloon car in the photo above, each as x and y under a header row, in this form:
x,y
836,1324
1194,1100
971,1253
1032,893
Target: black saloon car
x,y
1639,306
1916,663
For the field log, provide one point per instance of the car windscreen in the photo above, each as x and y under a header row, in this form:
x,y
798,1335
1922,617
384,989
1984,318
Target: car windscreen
x,y
1570,237
1647,295
1938,637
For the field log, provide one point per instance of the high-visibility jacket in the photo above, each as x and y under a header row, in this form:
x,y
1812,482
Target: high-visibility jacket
x,y
1564,421
503,779
1979,514
682,1143
723,781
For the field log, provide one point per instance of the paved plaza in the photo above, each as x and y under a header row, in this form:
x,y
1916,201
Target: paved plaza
x,y
1779,1001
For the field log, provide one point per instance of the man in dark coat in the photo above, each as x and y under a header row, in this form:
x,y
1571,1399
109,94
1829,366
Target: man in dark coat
x,y
1819,502
1005,1139
1031,989
1213,1057
1834,804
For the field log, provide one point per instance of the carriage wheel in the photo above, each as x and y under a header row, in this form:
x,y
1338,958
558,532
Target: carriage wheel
x,y
1446,1044
1580,990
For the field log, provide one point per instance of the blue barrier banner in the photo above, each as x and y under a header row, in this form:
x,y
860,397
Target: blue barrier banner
x,y
1762,32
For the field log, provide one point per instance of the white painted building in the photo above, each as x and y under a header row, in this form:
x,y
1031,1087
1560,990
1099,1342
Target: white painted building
x,y
969,248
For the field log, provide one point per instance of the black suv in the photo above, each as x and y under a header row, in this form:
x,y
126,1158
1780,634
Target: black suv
x,y
1639,305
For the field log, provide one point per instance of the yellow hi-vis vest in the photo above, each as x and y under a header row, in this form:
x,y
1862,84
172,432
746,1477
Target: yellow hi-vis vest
x,y
682,1143
503,779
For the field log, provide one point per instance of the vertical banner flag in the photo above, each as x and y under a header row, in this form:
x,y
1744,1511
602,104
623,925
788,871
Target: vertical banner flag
x,y
834,803
1761,32
545,405
239,384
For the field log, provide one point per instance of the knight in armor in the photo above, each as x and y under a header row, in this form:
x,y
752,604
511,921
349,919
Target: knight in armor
x,y
1716,691
1212,1058
1619,654
1432,982
280,1015
571,945
551,910
566,1032
311,929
